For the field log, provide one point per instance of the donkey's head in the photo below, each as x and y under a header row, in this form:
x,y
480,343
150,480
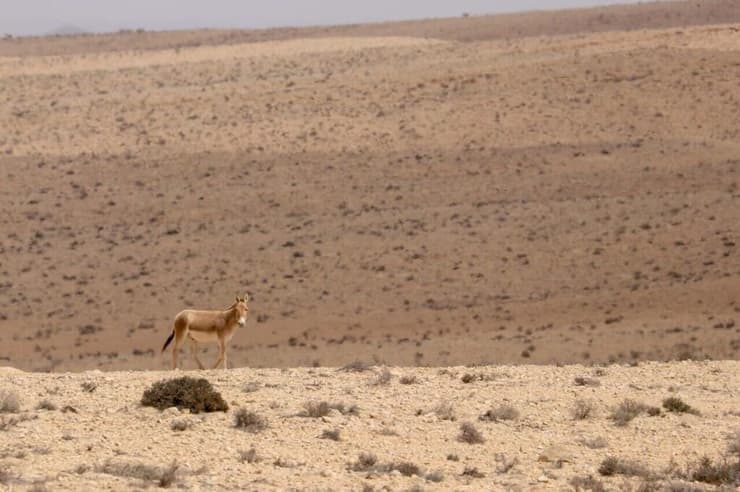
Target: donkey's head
x,y
241,309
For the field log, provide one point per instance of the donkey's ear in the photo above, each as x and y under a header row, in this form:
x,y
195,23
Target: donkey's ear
x,y
246,297
237,298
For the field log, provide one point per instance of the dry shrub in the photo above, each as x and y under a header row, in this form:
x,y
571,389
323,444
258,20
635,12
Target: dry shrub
x,y
502,412
733,446
469,434
629,409
723,472
408,380
582,409
249,421
594,443
249,456
586,381
445,411
9,402
89,386
383,378
355,366
318,409
616,466
365,462
331,434
148,473
677,405
46,405
181,425
197,395
588,483
472,472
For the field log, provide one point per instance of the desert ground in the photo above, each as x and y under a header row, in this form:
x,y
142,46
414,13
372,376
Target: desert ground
x,y
541,428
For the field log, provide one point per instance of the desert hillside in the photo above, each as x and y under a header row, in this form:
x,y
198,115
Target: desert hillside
x,y
527,428
390,196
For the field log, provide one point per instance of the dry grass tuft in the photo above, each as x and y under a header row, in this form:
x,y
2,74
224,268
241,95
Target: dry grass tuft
x,y
318,409
723,472
588,483
249,421
383,378
9,402
355,366
582,409
46,405
616,466
249,456
586,381
469,434
331,434
197,395
677,405
148,473
629,409
594,443
408,380
472,472
180,425
500,413
445,411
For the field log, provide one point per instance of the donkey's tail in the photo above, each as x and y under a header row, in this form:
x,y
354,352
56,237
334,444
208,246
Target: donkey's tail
x,y
169,339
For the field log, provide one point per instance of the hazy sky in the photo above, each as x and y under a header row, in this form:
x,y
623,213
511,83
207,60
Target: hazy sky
x,y
23,17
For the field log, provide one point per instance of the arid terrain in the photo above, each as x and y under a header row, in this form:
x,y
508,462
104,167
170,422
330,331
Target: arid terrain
x,y
481,190
528,428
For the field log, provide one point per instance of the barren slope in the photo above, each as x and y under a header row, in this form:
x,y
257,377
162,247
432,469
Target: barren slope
x,y
407,200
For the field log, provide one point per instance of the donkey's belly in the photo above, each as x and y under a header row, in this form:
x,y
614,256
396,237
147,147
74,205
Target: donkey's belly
x,y
203,336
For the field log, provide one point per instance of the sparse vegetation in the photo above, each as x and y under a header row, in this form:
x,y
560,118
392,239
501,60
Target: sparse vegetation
x,y
318,409
163,476
46,405
629,409
180,425
582,409
383,378
588,483
586,381
249,421
197,395
331,434
612,465
594,442
722,472
408,380
89,386
355,366
677,405
444,411
472,472
9,402
469,434
502,412
249,456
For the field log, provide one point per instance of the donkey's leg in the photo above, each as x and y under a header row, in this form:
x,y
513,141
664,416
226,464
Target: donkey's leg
x,y
194,352
221,352
179,337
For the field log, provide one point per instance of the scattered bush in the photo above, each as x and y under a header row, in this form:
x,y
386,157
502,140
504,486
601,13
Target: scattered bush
x,y
616,466
89,386
502,412
181,425
408,380
469,434
588,483
383,378
594,443
9,402
46,405
331,434
453,457
197,395
251,387
445,411
472,472
582,410
249,421
733,447
163,476
629,409
249,456
677,405
724,472
435,476
365,462
320,409
355,366
584,381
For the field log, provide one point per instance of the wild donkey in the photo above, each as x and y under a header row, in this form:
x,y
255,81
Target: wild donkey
x,y
207,326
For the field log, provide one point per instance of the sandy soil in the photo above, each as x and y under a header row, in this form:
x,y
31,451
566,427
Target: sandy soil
x,y
396,199
109,433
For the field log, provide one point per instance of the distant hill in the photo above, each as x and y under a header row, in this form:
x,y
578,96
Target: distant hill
x,y
67,30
